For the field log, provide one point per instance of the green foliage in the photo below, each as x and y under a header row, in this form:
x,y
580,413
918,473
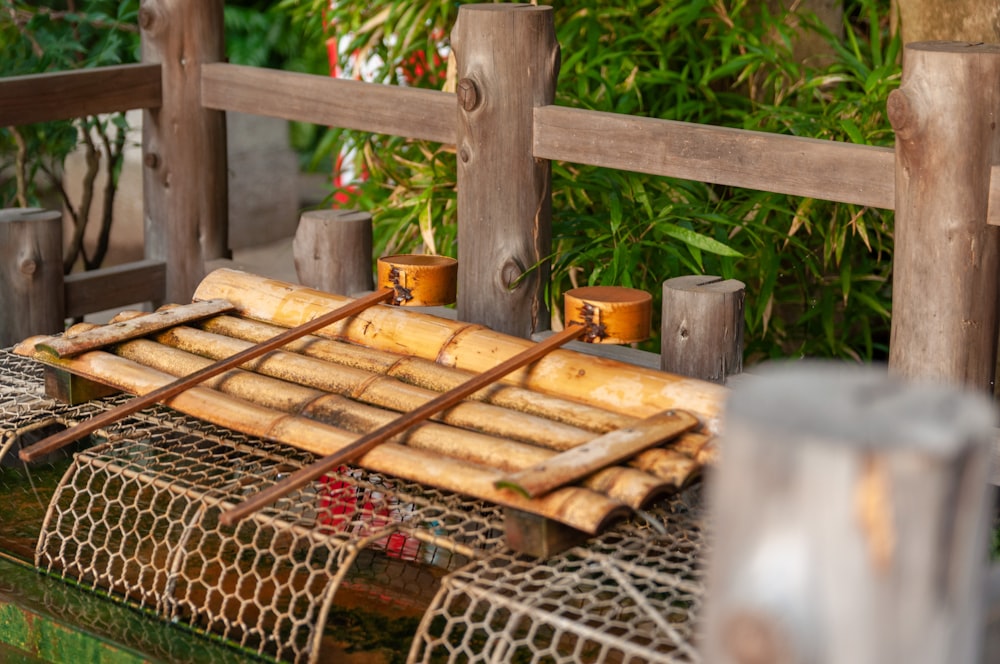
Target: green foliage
x,y
817,273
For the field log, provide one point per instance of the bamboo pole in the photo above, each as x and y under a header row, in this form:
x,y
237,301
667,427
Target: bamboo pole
x,y
577,507
626,485
678,464
67,436
427,374
608,384
379,390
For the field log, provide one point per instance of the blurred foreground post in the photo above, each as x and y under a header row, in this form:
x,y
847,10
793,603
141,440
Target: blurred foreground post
x,y
850,517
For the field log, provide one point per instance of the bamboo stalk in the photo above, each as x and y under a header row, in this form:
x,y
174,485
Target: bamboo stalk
x,y
632,487
380,390
609,384
665,463
577,507
374,439
164,392
429,375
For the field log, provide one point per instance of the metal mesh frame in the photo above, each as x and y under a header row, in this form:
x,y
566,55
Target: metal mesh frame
x,y
136,517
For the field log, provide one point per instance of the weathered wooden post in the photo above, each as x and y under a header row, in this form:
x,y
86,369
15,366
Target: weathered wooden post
x,y
31,290
850,520
946,263
333,251
507,61
701,329
185,199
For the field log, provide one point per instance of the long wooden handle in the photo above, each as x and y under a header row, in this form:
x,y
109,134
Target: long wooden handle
x,y
67,436
301,478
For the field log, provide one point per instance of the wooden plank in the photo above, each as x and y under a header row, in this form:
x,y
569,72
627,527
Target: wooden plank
x,y
504,195
816,168
73,94
185,179
383,109
603,451
946,260
106,335
111,287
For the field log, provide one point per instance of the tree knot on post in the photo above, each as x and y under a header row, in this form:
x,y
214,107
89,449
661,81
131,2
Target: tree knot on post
x,y
468,94
902,115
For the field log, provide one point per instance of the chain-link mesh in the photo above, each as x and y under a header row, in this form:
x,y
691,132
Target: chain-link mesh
x,y
136,516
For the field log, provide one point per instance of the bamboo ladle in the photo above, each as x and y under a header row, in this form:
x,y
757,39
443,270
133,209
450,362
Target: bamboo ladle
x,y
412,280
601,314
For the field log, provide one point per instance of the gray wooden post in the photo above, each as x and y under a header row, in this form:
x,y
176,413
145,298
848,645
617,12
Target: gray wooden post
x,y
946,262
185,180
31,267
507,60
850,519
702,327
333,251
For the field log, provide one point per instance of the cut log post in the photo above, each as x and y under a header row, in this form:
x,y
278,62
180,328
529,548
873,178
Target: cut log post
x,y
851,520
702,327
507,61
185,179
333,251
31,290
946,263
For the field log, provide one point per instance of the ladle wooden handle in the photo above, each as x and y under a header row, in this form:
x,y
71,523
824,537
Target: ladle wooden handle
x,y
359,447
67,436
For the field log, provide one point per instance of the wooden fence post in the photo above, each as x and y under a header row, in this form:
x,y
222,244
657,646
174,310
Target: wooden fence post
x,y
507,61
31,290
185,180
702,327
850,520
333,251
946,263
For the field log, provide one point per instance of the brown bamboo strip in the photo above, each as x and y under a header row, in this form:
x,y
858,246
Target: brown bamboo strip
x,y
603,451
63,438
609,384
577,507
429,375
380,390
138,326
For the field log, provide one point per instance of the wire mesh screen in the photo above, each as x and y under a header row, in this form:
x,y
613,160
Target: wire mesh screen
x,y
356,561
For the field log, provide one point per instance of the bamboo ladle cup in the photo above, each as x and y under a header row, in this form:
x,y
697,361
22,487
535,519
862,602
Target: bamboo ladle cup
x,y
600,314
405,279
